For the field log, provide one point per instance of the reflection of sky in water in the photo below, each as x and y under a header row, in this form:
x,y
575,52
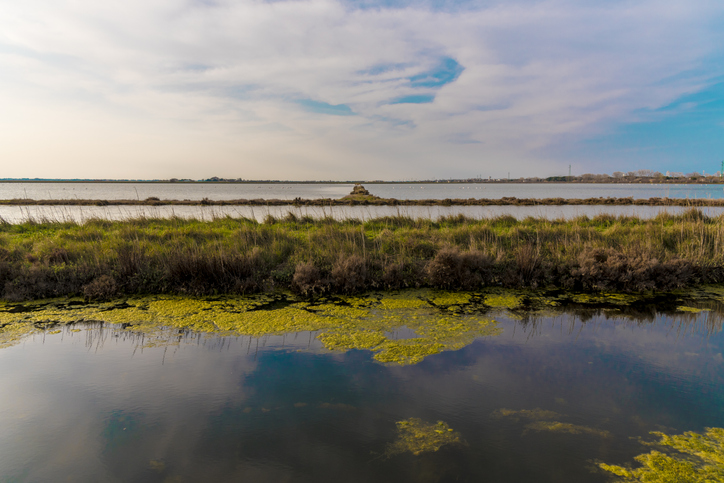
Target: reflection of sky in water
x,y
414,191
97,406
110,191
18,214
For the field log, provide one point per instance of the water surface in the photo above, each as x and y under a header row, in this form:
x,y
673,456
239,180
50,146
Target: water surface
x,y
79,214
96,402
283,191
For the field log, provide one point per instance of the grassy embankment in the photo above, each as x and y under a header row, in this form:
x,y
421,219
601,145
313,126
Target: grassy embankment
x,y
101,259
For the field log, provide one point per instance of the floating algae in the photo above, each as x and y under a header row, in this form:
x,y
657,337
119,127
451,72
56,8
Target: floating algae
x,y
366,324
343,323
531,414
696,458
559,427
450,298
693,310
604,298
12,333
543,420
418,437
435,320
339,339
504,301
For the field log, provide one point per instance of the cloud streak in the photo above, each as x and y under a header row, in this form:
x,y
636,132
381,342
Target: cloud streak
x,y
318,88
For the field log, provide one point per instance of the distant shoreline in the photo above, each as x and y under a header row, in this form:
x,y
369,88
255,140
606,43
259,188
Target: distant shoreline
x,y
375,201
548,181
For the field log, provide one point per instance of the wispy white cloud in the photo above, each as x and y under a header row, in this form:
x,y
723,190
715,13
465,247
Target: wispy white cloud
x,y
255,89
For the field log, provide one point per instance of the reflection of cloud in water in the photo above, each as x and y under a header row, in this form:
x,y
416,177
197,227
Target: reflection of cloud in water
x,y
199,402
650,343
65,383
603,366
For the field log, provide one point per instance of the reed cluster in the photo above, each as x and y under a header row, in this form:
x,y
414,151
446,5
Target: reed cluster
x,y
101,259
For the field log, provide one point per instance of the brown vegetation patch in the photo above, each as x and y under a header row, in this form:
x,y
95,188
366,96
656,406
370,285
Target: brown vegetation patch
x,y
308,279
453,268
606,269
101,288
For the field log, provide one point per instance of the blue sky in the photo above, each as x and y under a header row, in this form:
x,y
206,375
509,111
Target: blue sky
x,y
684,136
359,89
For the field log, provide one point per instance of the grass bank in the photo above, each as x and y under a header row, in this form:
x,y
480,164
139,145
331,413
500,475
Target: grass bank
x,y
101,259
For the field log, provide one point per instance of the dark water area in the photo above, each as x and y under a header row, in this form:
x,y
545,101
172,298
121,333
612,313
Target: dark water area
x,y
93,402
402,191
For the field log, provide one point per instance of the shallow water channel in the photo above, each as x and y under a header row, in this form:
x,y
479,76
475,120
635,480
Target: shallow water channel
x,y
401,191
514,388
81,214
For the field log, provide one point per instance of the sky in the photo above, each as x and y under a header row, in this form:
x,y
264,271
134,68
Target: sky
x,y
359,89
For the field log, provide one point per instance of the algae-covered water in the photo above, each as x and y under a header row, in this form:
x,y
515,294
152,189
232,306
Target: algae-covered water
x,y
413,386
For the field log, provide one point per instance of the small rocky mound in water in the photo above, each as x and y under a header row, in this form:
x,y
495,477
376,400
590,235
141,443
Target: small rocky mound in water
x,y
359,190
359,193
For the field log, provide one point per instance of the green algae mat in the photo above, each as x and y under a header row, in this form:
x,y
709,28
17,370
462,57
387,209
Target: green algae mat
x,y
410,386
437,321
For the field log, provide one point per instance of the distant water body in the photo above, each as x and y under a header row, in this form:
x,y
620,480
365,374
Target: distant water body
x,y
224,191
80,214
416,191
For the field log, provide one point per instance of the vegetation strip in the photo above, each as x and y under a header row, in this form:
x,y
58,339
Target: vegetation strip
x,y
371,200
102,259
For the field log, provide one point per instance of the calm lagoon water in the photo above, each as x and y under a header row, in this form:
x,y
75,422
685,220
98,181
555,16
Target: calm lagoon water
x,y
224,191
93,402
79,214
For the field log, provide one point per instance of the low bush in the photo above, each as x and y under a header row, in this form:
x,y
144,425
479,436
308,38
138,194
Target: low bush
x,y
308,280
101,288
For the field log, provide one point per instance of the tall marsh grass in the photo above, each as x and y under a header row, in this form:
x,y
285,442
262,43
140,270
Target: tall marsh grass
x,y
101,258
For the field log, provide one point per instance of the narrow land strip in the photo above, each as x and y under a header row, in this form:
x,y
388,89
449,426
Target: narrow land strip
x,y
371,200
102,258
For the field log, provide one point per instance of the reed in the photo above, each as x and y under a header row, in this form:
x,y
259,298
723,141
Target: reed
x,y
101,258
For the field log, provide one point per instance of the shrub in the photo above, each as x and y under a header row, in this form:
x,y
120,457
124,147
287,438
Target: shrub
x,y
609,269
308,280
101,288
349,274
452,268
526,269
